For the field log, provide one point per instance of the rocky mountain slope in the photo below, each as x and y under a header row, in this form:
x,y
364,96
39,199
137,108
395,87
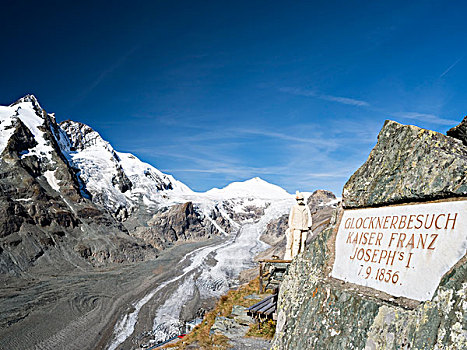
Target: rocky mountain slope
x,y
46,215
316,311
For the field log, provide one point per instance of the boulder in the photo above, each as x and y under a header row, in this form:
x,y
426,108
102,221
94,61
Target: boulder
x,y
316,311
240,315
408,164
228,327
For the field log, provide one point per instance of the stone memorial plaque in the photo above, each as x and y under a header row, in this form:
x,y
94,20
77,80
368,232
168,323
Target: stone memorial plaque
x,y
402,250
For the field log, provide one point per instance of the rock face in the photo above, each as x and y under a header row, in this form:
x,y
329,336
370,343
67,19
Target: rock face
x,y
459,131
408,164
320,198
181,222
316,311
274,234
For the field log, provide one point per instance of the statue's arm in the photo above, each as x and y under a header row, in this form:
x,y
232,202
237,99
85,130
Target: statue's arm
x,y
310,220
291,215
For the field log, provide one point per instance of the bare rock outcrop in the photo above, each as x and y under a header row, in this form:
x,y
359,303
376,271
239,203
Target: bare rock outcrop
x,y
180,222
459,131
408,164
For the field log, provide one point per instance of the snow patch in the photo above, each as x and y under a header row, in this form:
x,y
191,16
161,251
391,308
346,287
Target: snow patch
x,y
6,127
27,114
52,180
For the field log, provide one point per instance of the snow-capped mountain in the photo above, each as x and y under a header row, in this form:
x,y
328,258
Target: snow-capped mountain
x,y
66,178
24,111
118,181
124,185
70,205
253,188
46,216
246,200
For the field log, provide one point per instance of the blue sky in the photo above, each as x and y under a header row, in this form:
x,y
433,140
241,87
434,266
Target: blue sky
x,y
221,91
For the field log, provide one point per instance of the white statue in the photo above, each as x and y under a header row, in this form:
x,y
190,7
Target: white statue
x,y
299,225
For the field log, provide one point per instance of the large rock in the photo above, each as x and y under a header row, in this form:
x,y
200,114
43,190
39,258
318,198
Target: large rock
x,y
316,311
408,164
228,327
240,315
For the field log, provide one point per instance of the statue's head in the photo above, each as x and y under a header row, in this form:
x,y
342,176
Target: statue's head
x,y
299,197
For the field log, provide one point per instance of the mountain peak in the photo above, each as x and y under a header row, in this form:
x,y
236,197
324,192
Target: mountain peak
x,y
28,98
256,179
254,187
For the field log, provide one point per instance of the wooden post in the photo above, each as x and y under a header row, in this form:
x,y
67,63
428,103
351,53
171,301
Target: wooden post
x,y
260,278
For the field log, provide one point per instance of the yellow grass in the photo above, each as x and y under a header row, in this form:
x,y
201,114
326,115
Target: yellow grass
x,y
200,335
267,330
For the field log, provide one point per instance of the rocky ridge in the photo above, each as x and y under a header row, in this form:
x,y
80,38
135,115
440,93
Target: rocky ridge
x,y
120,182
318,312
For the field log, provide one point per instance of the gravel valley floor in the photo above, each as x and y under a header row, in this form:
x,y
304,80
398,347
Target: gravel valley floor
x,y
79,310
